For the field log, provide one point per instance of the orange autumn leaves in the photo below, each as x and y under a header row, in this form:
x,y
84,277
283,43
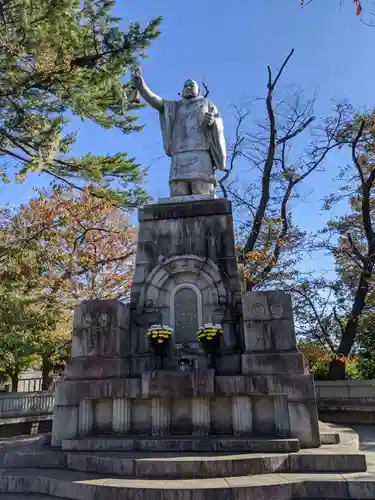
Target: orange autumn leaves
x,y
55,251
356,2
86,246
359,7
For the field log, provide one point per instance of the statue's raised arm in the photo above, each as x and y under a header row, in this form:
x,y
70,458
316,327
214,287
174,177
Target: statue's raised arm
x,y
152,99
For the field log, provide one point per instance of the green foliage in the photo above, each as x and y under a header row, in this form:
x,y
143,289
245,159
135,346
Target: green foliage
x,y
366,368
61,58
27,327
338,311
20,328
353,369
61,248
316,358
366,337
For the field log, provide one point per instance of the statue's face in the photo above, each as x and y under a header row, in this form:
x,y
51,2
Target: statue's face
x,y
190,89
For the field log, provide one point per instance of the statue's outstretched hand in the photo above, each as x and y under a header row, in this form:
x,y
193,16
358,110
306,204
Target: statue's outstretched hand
x,y
208,119
137,81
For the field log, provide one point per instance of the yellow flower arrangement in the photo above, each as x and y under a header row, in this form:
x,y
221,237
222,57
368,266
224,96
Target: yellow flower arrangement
x,y
159,334
209,332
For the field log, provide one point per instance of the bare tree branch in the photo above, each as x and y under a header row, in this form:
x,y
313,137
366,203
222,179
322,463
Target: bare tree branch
x,y
324,332
236,150
354,154
338,320
356,252
274,83
250,244
296,132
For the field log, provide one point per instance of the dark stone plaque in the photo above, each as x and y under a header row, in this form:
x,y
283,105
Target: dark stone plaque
x,y
186,315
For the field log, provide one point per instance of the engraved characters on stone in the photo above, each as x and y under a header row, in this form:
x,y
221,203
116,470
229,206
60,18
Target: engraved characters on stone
x,y
186,315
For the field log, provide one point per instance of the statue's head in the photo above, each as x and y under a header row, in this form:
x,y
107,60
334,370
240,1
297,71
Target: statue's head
x,y
190,89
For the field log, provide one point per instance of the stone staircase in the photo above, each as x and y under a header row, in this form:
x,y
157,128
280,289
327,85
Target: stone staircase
x,y
334,471
182,444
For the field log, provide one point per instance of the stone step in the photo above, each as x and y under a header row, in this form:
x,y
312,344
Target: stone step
x,y
182,444
278,486
37,459
334,434
193,467
26,496
329,437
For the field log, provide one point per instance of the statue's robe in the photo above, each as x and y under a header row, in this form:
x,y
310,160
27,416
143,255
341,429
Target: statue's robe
x,y
196,150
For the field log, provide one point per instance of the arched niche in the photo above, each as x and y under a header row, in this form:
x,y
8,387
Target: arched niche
x,y
197,273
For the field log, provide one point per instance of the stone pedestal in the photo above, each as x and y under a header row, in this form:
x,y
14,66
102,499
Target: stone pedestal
x,y
272,361
100,355
186,275
268,400
100,341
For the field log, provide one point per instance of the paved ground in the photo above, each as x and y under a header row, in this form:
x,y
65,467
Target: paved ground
x,y
20,443
366,435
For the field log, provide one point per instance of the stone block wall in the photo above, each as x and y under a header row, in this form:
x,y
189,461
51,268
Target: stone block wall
x,y
346,402
100,351
186,415
100,394
271,358
100,341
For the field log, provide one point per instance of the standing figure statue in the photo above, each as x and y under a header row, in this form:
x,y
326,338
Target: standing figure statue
x,y
193,136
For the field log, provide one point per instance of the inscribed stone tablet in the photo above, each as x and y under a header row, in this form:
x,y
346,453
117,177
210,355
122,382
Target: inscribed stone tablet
x,y
186,315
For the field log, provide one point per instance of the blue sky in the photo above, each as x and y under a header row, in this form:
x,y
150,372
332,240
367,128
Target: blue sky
x,y
228,45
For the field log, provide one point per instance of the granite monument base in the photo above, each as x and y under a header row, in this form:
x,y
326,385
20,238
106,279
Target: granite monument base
x,y
173,426
168,404
99,396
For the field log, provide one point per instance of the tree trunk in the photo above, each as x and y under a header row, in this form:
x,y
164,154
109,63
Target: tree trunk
x,y
336,370
47,378
14,381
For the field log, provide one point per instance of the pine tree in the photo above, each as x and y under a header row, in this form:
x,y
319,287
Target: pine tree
x,y
61,58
